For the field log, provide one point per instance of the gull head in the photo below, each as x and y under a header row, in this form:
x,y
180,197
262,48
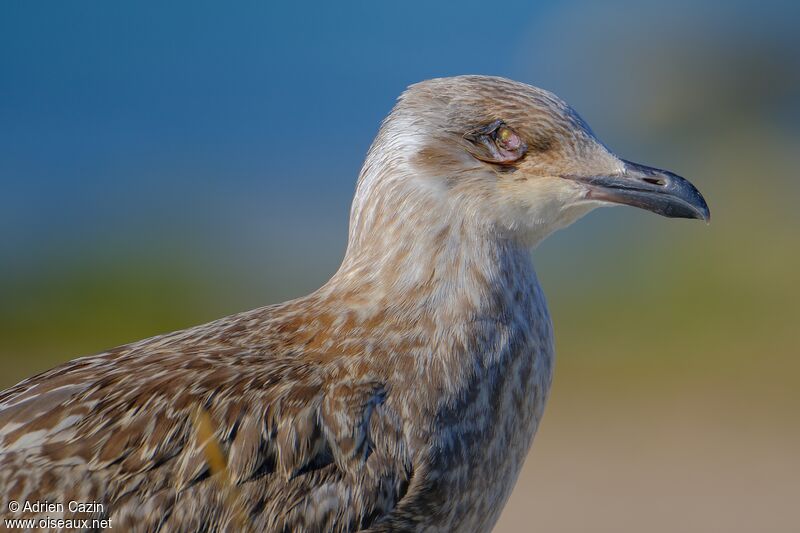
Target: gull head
x,y
512,158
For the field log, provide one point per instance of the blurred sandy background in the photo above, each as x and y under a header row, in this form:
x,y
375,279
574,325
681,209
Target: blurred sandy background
x,y
164,166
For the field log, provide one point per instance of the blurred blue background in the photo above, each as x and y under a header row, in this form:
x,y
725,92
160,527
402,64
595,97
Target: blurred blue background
x,y
164,164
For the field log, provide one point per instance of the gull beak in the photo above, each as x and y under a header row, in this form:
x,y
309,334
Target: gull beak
x,y
659,191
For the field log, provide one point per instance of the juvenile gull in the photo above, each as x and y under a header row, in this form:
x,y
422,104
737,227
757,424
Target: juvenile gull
x,y
402,395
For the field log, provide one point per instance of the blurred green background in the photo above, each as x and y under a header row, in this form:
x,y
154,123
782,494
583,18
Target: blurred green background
x,y
165,165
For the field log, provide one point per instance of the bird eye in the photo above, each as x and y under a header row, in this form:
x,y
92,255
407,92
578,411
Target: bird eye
x,y
496,143
507,139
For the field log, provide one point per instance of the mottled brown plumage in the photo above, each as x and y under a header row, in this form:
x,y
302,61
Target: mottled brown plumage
x,y
402,395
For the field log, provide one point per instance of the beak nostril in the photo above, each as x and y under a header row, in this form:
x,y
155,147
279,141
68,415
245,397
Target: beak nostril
x,y
655,181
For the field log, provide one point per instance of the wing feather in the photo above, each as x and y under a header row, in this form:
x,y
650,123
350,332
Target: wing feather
x,y
287,444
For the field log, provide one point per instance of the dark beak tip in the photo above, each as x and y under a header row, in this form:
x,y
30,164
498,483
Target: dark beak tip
x,y
698,203
705,215
694,207
681,197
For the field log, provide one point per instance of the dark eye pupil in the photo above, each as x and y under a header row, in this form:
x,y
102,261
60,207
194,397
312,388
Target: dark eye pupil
x,y
506,138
